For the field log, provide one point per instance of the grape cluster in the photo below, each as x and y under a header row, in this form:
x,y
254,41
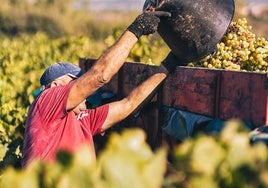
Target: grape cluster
x,y
240,49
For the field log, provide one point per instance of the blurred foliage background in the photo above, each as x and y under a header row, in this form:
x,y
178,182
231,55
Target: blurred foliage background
x,y
63,18
37,33
59,18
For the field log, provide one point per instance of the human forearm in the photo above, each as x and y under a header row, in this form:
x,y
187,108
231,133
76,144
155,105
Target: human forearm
x,y
103,70
119,110
112,60
145,90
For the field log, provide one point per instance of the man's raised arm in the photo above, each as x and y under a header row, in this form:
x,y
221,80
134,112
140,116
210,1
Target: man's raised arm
x,y
111,61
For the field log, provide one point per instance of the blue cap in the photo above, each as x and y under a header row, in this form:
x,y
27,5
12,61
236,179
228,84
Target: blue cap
x,y
59,69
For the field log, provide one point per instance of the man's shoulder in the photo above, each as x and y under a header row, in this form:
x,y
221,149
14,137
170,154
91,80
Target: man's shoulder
x,y
51,93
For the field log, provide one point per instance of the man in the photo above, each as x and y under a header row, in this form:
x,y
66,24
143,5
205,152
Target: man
x,y
58,118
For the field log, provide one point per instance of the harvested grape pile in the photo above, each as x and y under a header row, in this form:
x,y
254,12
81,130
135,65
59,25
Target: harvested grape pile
x,y
240,49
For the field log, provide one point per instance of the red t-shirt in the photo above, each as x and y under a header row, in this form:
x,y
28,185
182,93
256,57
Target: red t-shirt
x,y
50,128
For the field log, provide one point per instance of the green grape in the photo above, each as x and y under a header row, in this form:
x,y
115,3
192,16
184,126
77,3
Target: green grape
x,y
239,49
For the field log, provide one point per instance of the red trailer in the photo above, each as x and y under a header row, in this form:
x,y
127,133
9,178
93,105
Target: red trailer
x,y
214,93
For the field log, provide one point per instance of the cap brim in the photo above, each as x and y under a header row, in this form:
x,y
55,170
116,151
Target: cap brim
x,y
72,76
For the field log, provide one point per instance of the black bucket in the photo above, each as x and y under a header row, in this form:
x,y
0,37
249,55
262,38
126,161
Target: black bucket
x,y
195,27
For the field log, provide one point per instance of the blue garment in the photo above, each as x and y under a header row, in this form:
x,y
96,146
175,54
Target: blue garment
x,y
179,123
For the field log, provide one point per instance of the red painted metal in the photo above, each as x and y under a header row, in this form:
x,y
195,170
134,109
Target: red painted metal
x,y
220,94
215,93
244,95
193,90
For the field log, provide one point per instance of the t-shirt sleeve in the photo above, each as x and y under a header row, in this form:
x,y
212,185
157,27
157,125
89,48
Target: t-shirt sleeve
x,y
52,103
93,119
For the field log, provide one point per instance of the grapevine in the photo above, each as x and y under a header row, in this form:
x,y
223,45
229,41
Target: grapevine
x,y
240,49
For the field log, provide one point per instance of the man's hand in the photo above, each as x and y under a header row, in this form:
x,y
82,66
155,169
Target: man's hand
x,y
170,62
147,23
